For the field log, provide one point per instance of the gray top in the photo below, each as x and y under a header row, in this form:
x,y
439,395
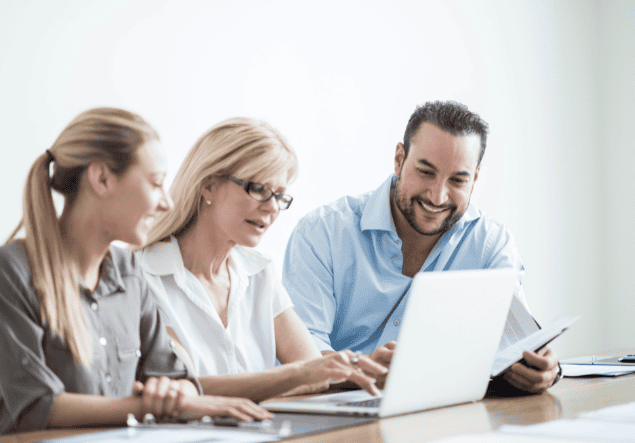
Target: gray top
x,y
129,340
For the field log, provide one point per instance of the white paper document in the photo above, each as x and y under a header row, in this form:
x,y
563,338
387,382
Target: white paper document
x,y
523,334
619,413
575,370
158,435
583,429
614,424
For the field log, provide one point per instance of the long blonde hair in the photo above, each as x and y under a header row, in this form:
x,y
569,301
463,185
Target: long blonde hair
x,y
247,148
106,135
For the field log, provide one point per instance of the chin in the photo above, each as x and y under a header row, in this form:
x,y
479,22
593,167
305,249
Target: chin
x,y
251,242
138,239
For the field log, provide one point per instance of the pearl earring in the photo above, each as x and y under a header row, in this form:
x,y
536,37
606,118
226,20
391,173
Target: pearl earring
x,y
209,202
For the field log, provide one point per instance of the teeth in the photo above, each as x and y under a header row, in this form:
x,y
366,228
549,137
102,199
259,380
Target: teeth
x,y
429,208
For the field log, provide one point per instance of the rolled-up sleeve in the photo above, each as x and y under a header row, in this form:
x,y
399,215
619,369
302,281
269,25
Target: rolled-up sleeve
x,y
27,385
308,278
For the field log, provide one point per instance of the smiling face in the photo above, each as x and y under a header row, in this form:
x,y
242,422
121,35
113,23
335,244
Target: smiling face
x,y
139,197
435,181
237,217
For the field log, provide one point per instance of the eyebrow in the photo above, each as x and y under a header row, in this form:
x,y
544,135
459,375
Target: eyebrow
x,y
425,162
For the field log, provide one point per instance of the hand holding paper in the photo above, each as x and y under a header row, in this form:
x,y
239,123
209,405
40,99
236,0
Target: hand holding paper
x,y
537,374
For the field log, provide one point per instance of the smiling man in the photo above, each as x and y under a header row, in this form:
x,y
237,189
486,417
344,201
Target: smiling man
x,y
349,264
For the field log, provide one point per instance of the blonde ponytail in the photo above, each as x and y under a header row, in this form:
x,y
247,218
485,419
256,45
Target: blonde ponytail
x,y
53,273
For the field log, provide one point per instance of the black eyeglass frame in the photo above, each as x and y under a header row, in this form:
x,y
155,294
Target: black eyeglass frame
x,y
281,198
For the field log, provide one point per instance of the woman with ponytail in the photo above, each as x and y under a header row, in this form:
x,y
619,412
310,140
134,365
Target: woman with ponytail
x,y
79,325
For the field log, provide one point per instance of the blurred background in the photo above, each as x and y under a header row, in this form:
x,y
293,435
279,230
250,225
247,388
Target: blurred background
x,y
339,79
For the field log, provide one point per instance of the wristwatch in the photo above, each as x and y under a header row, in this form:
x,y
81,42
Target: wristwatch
x,y
558,375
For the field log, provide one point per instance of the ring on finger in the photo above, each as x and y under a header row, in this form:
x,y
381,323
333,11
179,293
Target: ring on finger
x,y
355,357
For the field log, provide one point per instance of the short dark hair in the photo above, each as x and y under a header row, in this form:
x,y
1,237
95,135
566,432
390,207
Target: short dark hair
x,y
450,116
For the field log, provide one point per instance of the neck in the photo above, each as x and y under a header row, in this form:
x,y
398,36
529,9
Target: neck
x,y
204,252
86,242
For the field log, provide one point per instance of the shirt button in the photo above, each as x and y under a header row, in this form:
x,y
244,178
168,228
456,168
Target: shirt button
x,y
396,322
394,257
94,306
396,242
103,341
172,344
108,378
137,353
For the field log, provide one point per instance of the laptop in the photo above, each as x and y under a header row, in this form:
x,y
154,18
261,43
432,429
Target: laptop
x,y
452,326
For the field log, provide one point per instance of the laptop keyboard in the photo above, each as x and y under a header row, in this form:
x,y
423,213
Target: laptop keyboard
x,y
372,403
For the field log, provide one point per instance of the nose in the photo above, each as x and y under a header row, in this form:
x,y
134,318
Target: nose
x,y
270,205
438,193
165,204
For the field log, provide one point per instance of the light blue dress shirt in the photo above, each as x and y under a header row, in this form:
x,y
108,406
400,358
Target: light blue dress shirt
x,y
343,264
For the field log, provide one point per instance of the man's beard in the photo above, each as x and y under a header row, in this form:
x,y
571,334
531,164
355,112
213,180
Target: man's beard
x,y
409,213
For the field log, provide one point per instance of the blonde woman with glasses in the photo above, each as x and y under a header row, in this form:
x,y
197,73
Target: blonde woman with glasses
x,y
78,324
223,298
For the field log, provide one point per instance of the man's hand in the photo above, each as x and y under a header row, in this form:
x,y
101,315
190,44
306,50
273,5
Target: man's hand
x,y
383,356
536,374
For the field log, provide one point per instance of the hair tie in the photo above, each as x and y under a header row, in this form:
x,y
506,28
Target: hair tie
x,y
50,156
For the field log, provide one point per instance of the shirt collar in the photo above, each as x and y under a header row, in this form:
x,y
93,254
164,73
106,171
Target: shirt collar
x,y
110,280
164,258
377,214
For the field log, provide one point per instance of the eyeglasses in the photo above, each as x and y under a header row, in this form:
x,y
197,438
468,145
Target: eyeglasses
x,y
262,193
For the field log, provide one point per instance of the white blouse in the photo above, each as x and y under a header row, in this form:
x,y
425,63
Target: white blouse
x,y
256,297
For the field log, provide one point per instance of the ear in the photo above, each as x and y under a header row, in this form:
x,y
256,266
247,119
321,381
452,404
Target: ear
x,y
478,168
400,156
101,179
207,192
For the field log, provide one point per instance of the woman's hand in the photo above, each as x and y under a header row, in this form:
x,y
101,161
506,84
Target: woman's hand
x,y
179,400
342,366
162,396
194,408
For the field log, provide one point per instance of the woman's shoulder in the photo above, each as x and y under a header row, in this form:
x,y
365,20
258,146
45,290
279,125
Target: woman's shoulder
x,y
15,274
14,259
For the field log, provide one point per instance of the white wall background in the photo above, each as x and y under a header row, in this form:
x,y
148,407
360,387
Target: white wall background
x,y
340,78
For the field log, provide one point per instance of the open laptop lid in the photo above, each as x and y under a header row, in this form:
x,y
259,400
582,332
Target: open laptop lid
x,y
450,332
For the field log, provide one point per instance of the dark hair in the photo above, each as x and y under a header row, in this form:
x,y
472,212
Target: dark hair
x,y
450,116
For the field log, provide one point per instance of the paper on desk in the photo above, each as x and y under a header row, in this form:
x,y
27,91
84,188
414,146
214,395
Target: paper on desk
x,y
620,413
576,370
164,436
501,438
584,429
